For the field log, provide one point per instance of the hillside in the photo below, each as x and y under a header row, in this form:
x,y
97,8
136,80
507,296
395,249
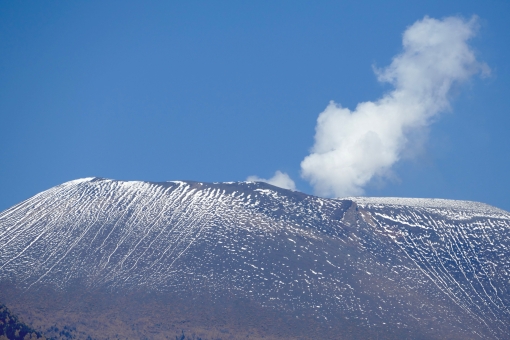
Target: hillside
x,y
114,259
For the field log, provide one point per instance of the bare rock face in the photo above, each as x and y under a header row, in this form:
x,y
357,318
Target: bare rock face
x,y
110,259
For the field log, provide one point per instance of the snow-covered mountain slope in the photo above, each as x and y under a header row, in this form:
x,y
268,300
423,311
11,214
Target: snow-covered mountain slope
x,y
415,268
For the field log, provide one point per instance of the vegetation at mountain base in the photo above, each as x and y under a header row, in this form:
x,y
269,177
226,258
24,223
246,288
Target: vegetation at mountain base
x,y
184,337
11,328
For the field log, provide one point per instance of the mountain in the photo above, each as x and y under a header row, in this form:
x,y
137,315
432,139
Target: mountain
x,y
141,260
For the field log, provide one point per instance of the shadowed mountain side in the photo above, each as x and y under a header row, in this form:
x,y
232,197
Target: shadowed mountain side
x,y
113,259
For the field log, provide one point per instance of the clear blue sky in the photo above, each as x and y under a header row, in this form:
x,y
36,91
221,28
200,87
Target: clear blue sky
x,y
220,90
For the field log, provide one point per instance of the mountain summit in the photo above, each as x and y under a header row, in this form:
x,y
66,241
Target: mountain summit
x,y
115,259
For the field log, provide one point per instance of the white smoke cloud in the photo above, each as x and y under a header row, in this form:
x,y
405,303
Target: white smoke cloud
x,y
280,179
353,147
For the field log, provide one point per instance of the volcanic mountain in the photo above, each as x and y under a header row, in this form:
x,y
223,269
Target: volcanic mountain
x,y
107,259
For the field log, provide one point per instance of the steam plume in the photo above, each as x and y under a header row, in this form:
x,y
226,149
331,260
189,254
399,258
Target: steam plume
x,y
353,147
280,179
